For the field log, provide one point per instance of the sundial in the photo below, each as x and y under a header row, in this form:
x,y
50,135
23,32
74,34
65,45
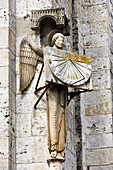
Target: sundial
x,y
66,67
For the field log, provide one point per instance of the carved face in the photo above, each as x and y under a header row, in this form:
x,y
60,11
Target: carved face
x,y
59,42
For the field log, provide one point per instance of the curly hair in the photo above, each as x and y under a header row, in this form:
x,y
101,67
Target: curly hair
x,y
56,36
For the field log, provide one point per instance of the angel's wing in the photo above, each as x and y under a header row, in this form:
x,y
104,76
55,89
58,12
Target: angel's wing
x,y
30,56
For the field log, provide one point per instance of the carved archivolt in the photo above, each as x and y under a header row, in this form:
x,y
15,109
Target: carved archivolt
x,y
30,56
57,14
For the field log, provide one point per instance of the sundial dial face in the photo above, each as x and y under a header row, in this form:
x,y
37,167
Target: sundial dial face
x,y
69,68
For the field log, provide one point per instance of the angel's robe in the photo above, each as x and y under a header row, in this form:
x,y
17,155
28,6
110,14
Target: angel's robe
x,y
57,117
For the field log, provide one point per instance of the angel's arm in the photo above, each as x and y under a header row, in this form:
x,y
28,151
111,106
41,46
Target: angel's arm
x,y
34,46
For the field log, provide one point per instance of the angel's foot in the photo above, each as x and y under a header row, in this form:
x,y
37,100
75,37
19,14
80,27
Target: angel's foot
x,y
54,154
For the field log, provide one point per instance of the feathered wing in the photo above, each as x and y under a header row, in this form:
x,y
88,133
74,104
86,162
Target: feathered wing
x,y
30,56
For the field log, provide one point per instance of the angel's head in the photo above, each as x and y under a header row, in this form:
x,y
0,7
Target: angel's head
x,y
57,40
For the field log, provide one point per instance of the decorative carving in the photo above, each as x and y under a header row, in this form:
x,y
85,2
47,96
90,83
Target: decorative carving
x,y
57,14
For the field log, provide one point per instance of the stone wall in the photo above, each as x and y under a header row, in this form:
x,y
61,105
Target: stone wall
x,y
7,84
96,106
23,130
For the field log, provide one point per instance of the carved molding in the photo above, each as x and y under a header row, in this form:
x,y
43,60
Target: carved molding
x,y
57,14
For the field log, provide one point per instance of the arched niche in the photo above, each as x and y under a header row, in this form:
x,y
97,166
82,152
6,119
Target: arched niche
x,y
47,24
44,21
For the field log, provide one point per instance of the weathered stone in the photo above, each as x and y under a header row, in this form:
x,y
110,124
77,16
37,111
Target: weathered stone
x,y
33,166
30,150
99,141
96,40
4,34
101,79
99,109
4,57
99,124
23,125
110,167
12,80
103,156
4,80
97,52
12,100
97,97
95,13
4,18
4,97
12,41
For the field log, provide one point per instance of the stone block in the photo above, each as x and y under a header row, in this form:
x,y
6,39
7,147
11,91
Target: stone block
x,y
4,4
7,121
100,156
12,100
4,164
26,100
97,52
21,9
37,5
12,41
4,18
69,140
98,109
12,148
97,97
4,125
12,6
4,57
12,80
96,40
23,28
12,122
4,34
4,76
99,64
86,29
99,124
92,2
70,160
100,141
12,165
73,144
32,150
12,22
4,97
23,101
110,167
71,121
4,151
97,27
101,79
39,123
95,13
33,166
23,125
12,63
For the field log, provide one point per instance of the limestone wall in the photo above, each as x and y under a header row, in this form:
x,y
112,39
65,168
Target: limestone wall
x,y
7,85
23,130
96,106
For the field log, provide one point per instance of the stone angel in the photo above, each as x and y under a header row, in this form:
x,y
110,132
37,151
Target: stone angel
x,y
62,69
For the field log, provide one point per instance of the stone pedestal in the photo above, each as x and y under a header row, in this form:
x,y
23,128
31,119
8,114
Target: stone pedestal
x,y
55,163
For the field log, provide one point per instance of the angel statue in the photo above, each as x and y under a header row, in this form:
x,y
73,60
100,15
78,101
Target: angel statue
x,y
63,69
